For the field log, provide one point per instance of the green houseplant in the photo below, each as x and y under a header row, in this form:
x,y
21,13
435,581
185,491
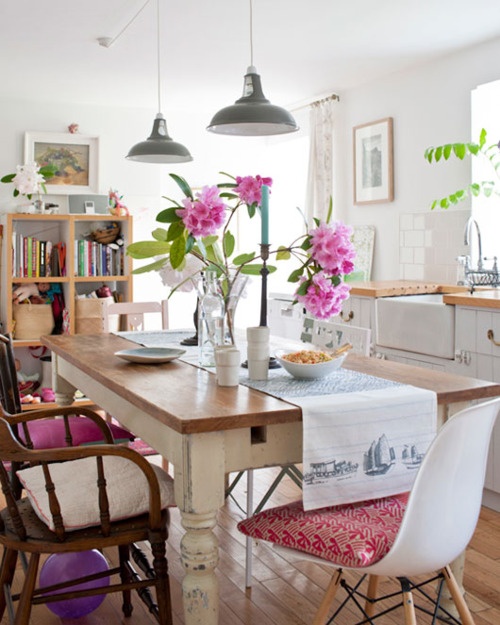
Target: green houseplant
x,y
461,150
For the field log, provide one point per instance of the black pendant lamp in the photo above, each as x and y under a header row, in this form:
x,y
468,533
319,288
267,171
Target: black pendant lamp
x,y
252,114
159,147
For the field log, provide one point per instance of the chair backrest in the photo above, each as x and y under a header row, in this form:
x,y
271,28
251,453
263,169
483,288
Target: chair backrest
x,y
9,390
328,334
134,312
445,499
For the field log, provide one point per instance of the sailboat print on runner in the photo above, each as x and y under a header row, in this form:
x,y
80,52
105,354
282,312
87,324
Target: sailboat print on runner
x,y
379,458
410,457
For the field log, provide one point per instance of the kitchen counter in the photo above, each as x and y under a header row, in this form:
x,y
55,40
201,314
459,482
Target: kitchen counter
x,y
479,299
391,288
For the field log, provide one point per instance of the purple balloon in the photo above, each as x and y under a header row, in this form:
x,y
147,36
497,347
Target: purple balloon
x,y
63,567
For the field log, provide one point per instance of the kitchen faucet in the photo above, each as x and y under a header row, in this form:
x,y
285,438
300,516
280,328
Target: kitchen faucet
x,y
467,235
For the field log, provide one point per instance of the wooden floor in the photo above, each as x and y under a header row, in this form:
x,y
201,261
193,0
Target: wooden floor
x,y
286,592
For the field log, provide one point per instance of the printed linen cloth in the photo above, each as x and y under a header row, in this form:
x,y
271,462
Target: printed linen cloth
x,y
365,444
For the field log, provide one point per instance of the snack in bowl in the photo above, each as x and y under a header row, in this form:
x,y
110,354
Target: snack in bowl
x,y
309,364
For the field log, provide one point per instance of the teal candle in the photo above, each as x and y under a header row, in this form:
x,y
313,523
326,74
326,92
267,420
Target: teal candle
x,y
264,214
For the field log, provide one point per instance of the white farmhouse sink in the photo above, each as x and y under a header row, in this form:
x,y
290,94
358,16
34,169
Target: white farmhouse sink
x,y
417,323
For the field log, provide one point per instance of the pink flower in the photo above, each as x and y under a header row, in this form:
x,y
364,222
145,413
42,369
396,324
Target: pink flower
x,y
332,248
323,299
249,188
205,214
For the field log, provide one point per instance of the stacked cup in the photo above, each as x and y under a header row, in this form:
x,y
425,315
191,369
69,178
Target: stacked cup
x,y
227,365
258,352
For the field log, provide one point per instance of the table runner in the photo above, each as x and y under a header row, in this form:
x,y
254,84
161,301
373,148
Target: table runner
x,y
363,436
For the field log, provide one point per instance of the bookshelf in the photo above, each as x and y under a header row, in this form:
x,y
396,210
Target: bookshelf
x,y
57,249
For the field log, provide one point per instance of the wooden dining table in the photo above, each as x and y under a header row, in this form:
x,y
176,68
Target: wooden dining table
x,y
207,431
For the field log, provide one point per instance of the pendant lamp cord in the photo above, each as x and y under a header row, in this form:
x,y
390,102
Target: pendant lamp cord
x,y
158,52
251,34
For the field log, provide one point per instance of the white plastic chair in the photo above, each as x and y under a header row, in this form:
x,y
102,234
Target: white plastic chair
x,y
437,525
134,313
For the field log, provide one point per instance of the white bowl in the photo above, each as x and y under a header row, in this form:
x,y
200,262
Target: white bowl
x,y
318,370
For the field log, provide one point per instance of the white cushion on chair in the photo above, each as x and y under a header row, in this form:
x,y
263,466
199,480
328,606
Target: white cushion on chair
x,y
127,489
351,535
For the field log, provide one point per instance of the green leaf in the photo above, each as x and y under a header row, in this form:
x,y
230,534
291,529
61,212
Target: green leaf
x,y
183,185
459,150
159,264
306,244
175,231
48,171
254,269
461,194
190,241
428,154
243,258
447,151
8,178
228,244
438,153
473,148
168,216
251,208
283,253
147,249
482,137
444,203
177,252
302,290
210,240
475,189
160,234
330,210
295,275
316,221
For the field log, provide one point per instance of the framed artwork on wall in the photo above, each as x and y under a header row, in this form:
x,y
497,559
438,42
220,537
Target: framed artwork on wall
x,y
76,158
373,162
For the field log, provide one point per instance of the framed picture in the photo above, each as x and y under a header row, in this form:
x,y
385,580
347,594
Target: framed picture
x,y
76,158
373,162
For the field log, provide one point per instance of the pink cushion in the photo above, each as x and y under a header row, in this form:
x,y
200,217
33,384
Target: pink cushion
x,y
50,433
351,535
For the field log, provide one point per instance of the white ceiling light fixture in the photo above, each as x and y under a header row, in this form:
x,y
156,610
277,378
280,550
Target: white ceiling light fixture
x,y
159,147
252,114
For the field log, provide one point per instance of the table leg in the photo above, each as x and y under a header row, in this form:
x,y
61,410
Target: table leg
x,y
199,556
63,390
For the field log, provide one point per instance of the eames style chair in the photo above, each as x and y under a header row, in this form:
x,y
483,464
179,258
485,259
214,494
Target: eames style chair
x,y
78,499
134,314
403,536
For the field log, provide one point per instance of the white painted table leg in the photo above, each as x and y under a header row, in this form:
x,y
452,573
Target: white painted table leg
x,y
63,390
199,556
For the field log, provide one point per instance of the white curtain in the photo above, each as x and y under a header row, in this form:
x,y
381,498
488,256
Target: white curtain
x,y
320,174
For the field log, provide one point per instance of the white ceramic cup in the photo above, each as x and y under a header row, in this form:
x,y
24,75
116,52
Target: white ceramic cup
x,y
227,365
258,352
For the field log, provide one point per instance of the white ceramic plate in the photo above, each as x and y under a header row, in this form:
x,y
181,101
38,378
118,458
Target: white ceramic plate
x,y
150,355
319,370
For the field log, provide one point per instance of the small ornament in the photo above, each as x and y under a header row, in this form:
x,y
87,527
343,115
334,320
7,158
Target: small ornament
x,y
73,128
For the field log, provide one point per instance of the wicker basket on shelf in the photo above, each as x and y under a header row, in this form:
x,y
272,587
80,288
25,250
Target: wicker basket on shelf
x,y
106,235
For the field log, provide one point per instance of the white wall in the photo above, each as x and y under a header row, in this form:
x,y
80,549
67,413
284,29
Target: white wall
x,y
430,106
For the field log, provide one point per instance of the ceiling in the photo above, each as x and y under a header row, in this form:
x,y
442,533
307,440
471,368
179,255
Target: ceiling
x,y
303,49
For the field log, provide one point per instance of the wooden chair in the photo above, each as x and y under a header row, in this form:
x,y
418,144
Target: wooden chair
x,y
133,313
78,499
69,430
403,536
330,334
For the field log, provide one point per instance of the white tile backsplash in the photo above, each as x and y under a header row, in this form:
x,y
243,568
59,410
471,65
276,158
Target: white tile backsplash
x,y
430,243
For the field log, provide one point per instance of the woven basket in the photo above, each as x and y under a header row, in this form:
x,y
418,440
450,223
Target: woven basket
x,y
106,235
32,320
89,315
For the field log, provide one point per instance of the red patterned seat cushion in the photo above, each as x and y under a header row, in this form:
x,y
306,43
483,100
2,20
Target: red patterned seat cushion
x,y
350,535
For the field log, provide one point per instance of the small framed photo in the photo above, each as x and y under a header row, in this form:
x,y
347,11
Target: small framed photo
x,y
76,158
373,162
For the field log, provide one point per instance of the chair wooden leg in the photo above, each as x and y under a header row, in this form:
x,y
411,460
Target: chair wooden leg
x,y
371,593
24,607
160,566
457,596
124,555
331,591
9,561
408,605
